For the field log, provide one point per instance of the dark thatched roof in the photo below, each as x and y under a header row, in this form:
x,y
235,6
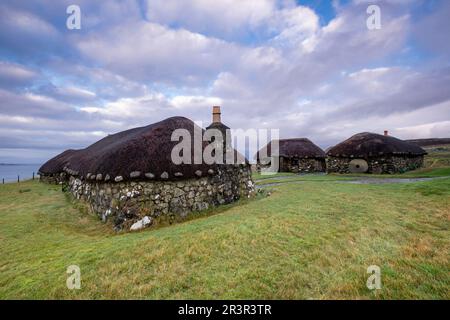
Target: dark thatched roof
x,y
368,144
58,163
299,147
141,151
217,125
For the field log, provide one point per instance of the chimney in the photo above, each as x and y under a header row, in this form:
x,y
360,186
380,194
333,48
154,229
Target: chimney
x,y
386,133
216,114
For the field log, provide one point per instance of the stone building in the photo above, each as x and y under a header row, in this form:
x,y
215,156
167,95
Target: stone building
x,y
295,155
129,177
374,153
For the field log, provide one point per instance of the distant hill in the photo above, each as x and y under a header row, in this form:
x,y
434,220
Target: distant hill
x,y
430,142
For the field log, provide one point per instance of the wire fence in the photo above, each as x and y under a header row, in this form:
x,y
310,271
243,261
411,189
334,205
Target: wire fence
x,y
33,177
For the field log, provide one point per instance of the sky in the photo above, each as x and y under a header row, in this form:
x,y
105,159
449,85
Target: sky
x,y
308,68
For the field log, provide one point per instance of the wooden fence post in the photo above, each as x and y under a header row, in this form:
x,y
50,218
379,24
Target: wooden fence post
x,y
33,175
18,179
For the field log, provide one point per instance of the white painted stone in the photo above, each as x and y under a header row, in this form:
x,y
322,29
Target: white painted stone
x,y
144,222
198,173
135,174
149,175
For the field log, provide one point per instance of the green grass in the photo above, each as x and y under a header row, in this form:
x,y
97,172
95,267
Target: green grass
x,y
283,177
304,178
259,176
438,156
419,173
309,240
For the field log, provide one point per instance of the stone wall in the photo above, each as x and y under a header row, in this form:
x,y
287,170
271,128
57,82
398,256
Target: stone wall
x,y
298,165
56,178
132,205
383,164
302,165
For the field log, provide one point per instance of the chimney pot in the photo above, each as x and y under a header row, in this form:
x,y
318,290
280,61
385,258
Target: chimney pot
x,y
386,133
216,114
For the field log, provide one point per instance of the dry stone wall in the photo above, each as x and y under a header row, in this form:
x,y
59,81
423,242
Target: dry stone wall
x,y
57,178
378,165
132,205
297,165
302,165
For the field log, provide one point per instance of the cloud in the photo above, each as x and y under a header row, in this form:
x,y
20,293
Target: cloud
x,y
390,91
141,108
146,51
431,31
30,104
220,18
106,84
34,33
26,22
153,107
431,130
293,25
70,93
15,75
269,64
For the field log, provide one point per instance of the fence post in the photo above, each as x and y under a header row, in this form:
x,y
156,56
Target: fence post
x,y
33,175
3,180
18,179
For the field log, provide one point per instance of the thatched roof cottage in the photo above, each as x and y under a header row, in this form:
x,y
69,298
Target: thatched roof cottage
x,y
130,178
298,155
374,153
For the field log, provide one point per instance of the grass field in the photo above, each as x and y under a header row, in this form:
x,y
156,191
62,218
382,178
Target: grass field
x,y
310,240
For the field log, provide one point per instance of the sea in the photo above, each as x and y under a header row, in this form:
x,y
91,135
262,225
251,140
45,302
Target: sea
x,y
9,172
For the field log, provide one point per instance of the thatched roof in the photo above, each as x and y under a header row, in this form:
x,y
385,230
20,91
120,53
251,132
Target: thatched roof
x,y
58,163
299,147
366,144
140,153
217,125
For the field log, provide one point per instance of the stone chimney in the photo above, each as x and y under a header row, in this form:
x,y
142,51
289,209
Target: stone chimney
x,y
216,114
386,133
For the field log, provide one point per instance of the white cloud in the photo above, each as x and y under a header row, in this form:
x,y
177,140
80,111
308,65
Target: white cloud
x,y
267,63
148,51
294,25
69,93
12,74
439,129
26,22
190,102
219,17
143,107
14,71
431,31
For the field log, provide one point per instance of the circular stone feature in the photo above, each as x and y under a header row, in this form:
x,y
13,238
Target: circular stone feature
x,y
358,166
